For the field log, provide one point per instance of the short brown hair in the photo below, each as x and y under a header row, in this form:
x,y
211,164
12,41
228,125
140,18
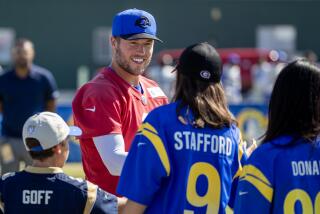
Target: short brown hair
x,y
39,155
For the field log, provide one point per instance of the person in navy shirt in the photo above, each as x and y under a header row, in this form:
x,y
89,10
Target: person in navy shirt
x,y
24,90
43,187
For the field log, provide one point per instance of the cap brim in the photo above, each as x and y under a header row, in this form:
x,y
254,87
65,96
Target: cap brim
x,y
74,131
140,36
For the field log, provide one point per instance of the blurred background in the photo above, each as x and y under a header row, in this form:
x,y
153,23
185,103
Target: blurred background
x,y
254,38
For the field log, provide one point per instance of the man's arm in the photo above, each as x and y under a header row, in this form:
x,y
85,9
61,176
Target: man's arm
x,y
132,207
121,204
111,149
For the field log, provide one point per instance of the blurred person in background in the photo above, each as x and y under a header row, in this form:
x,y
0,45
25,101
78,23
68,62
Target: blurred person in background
x,y
311,56
110,108
283,174
231,79
163,75
263,78
186,155
24,90
44,187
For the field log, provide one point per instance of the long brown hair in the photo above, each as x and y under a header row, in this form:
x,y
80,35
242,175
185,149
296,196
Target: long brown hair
x,y
206,101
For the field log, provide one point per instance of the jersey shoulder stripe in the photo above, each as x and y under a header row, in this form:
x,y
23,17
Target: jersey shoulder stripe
x,y
255,177
91,197
151,134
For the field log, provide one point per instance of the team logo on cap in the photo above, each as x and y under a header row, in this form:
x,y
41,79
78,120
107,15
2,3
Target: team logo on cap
x,y
205,74
143,22
31,129
59,127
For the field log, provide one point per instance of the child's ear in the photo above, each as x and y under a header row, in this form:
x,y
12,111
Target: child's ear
x,y
57,149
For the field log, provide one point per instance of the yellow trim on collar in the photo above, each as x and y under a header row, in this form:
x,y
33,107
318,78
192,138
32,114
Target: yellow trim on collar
x,y
43,170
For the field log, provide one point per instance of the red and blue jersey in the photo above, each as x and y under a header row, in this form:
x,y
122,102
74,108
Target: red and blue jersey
x,y
281,176
176,168
110,105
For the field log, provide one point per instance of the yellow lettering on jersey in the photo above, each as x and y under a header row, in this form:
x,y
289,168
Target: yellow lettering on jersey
x,y
297,195
317,204
229,210
212,197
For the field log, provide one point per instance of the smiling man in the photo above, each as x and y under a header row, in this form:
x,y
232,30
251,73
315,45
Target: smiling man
x,y
110,108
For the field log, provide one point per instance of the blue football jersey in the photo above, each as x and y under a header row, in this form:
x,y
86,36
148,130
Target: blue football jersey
x,y
49,190
281,176
176,168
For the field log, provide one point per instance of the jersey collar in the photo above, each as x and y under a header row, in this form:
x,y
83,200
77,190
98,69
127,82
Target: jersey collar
x,y
285,140
43,170
131,89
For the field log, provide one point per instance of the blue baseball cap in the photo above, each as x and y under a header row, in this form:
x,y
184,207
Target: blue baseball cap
x,y
134,24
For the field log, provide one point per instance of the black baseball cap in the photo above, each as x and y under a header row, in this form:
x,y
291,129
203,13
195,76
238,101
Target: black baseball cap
x,y
201,61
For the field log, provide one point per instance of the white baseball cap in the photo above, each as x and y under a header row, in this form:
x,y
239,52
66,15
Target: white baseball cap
x,y
49,129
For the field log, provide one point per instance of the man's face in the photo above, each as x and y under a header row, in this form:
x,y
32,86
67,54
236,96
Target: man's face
x,y
133,56
23,55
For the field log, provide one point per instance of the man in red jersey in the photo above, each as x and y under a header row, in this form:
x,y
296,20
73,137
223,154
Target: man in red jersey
x,y
110,108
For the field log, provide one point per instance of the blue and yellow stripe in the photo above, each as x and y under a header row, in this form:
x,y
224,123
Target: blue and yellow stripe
x,y
256,178
151,134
